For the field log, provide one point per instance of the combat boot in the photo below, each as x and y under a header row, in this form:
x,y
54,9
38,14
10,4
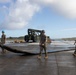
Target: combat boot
x,y
46,57
39,57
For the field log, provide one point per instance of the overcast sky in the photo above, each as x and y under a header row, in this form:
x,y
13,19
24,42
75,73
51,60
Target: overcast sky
x,y
56,17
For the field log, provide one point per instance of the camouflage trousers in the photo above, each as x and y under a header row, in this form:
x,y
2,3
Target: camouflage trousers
x,y
41,49
3,50
75,50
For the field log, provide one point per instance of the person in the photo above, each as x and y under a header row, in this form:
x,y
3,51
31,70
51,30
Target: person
x,y
3,40
42,44
75,48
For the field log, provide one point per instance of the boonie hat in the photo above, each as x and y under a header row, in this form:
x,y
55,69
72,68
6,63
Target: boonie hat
x,y
2,31
43,31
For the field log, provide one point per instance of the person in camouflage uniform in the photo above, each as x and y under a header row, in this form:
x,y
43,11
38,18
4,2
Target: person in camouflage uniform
x,y
42,44
3,40
75,48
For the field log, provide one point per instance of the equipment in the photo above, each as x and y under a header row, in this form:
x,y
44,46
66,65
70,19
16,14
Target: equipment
x,y
33,35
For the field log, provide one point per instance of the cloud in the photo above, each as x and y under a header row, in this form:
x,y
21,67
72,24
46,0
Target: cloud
x,y
65,7
43,2
21,11
19,14
69,29
5,1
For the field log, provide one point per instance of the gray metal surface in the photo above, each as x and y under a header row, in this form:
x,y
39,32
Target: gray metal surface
x,y
33,48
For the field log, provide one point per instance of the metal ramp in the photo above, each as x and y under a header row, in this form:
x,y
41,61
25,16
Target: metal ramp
x,y
33,49
16,51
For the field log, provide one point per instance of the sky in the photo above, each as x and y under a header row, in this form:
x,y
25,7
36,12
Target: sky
x,y
56,17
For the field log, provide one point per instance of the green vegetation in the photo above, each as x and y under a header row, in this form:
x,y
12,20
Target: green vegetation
x,y
69,39
22,38
13,38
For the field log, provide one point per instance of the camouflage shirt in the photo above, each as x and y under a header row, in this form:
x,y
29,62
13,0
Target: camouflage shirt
x,y
42,39
3,38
